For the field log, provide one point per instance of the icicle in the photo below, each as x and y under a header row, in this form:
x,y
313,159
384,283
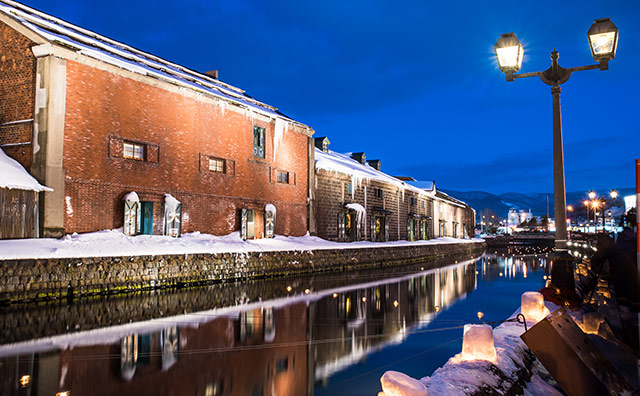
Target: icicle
x,y
278,134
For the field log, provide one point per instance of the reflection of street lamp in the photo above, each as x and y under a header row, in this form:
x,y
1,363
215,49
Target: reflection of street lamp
x,y
603,40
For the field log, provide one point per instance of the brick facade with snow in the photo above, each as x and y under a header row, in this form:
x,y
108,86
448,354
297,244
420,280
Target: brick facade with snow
x,y
108,120
356,201
17,94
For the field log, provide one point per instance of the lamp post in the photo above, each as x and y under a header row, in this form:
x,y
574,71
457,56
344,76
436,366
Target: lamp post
x,y
592,196
603,42
586,204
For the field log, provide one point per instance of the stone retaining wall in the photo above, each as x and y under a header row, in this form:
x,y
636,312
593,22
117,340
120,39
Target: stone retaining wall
x,y
22,280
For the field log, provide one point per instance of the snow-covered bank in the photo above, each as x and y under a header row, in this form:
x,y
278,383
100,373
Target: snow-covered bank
x,y
515,370
113,243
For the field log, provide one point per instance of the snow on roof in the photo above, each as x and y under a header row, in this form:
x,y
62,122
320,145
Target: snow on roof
x,y
14,176
343,163
428,185
93,45
443,195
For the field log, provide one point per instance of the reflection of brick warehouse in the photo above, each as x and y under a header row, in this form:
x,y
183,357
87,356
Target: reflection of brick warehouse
x,y
109,119
352,324
225,356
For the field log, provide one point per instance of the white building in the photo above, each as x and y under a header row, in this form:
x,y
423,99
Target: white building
x,y
629,202
515,217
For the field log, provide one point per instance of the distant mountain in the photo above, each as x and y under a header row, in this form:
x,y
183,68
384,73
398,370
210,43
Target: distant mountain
x,y
537,202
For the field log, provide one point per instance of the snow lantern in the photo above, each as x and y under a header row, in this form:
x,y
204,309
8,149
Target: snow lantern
x,y
591,322
395,383
532,306
477,343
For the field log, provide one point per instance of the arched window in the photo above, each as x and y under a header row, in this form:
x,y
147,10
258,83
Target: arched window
x,y
172,216
131,214
269,220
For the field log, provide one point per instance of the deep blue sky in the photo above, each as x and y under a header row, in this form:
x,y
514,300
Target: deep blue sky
x,y
413,83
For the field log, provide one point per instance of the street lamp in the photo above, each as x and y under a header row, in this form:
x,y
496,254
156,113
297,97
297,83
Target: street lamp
x,y
603,42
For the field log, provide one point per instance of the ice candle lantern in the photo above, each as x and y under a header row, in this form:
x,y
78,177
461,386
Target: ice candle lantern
x,y
395,383
477,343
532,306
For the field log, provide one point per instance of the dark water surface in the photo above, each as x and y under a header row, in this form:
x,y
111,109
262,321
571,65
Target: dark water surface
x,y
323,335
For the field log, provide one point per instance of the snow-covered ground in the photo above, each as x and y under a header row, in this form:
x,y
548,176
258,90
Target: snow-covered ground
x,y
113,243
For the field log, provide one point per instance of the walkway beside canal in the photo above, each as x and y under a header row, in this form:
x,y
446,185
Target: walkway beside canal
x,y
110,262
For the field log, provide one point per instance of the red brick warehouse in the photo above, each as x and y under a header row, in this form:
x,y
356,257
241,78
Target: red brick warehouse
x,y
95,119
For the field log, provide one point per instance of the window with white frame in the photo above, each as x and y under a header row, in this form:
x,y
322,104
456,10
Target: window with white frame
x,y
133,151
216,165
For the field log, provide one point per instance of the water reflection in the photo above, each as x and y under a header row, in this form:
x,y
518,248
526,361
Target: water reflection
x,y
278,347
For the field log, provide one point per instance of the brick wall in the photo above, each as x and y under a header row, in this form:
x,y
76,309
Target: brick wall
x,y
331,195
17,94
103,110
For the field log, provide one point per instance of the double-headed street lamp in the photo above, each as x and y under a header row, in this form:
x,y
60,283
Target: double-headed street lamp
x,y
595,203
603,41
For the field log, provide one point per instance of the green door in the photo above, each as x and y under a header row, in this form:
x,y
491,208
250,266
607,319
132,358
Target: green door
x,y
147,218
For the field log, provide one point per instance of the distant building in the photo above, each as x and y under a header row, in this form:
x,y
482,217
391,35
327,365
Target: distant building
x,y
630,202
355,201
517,217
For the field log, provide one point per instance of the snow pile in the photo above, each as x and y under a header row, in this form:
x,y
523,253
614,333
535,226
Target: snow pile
x,y
343,163
131,197
399,384
360,210
113,243
170,204
14,176
514,361
270,208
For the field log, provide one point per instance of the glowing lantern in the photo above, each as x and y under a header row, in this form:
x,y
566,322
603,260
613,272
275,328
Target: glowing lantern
x,y
395,383
477,343
532,306
509,52
603,40
591,322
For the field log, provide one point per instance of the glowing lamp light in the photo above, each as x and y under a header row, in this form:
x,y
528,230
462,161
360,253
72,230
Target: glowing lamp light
x,y
592,194
289,288
477,343
396,303
603,40
532,306
25,380
509,52
307,291
335,295
480,315
614,194
395,383
364,299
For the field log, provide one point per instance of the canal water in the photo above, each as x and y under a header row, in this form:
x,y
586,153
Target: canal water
x,y
322,335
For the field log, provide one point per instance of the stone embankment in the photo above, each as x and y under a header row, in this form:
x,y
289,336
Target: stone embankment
x,y
31,279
